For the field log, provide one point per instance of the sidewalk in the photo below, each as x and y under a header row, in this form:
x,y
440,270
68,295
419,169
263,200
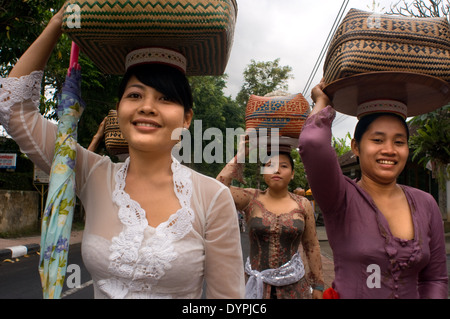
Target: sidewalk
x,y
19,247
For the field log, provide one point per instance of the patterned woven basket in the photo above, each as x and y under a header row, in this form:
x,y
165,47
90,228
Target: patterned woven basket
x,y
287,113
114,141
368,42
202,30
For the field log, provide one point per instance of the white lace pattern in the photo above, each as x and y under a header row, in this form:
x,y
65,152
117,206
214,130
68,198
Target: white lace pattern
x,y
17,90
137,264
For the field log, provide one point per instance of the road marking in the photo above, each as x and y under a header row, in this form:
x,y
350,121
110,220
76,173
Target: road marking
x,y
74,290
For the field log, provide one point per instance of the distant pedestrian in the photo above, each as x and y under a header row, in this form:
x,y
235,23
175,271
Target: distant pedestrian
x,y
279,222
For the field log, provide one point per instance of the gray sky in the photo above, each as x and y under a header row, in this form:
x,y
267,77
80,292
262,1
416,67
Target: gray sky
x,y
294,31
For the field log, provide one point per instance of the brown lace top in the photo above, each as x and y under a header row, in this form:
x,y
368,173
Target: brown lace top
x,y
275,238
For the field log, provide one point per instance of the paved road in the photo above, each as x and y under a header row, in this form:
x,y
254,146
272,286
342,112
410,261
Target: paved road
x,y
20,280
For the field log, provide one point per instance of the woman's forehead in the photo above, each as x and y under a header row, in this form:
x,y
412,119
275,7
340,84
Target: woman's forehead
x,y
278,158
386,124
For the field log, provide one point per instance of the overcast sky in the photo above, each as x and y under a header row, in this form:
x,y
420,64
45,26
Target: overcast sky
x,y
294,31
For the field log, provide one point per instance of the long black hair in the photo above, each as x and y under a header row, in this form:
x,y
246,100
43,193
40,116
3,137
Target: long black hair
x,y
163,78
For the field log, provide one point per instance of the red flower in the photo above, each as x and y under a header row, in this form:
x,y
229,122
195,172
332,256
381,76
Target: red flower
x,y
330,293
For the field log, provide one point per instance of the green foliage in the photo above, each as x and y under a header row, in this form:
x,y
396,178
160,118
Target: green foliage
x,y
21,21
431,142
261,78
215,111
340,144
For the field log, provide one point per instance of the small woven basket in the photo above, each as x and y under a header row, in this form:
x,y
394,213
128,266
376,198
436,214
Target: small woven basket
x,y
368,42
287,113
114,141
202,30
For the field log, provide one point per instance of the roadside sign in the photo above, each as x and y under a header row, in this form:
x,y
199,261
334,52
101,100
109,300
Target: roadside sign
x,y
8,160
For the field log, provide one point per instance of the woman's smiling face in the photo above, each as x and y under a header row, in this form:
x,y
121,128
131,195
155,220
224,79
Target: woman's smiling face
x,y
383,149
147,118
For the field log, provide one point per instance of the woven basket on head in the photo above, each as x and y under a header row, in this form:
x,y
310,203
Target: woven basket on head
x,y
287,113
114,141
108,29
369,42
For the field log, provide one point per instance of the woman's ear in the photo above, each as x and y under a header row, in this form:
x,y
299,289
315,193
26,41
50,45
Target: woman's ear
x,y
355,147
188,118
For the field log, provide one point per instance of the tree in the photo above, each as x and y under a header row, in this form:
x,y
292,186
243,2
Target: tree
x,y
261,78
431,144
419,8
212,110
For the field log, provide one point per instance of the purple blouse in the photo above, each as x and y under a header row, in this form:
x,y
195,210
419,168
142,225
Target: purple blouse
x,y
370,262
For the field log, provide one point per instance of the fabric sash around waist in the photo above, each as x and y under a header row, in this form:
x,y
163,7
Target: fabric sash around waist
x,y
287,274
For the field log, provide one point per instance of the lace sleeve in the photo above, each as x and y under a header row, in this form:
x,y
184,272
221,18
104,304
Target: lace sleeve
x,y
311,247
16,90
20,116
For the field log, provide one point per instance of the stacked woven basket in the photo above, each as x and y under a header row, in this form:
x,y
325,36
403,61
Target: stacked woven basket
x,y
287,113
202,30
107,30
375,56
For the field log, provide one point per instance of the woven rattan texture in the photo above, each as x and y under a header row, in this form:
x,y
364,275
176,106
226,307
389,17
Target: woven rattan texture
x,y
202,30
368,42
287,113
114,141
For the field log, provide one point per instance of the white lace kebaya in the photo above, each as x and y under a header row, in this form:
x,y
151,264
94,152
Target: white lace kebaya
x,y
126,257
137,267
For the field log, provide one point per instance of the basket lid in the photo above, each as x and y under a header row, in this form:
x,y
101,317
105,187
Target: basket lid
x,y
420,93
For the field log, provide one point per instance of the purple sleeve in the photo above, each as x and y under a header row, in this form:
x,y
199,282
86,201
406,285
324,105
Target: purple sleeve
x,y
433,279
320,160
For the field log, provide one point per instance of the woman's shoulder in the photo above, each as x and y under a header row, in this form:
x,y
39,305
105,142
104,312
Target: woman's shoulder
x,y
302,200
419,196
416,193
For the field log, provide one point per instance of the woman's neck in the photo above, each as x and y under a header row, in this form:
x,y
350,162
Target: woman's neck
x,y
149,164
376,189
277,193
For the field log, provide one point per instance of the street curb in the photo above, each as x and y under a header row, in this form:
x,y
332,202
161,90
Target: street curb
x,y
18,251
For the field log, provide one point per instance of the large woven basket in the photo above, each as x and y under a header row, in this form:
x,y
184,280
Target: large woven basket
x,y
368,42
287,113
114,141
200,29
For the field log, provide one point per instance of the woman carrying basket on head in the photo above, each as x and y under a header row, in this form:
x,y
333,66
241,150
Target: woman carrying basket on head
x,y
280,224
387,239
154,228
